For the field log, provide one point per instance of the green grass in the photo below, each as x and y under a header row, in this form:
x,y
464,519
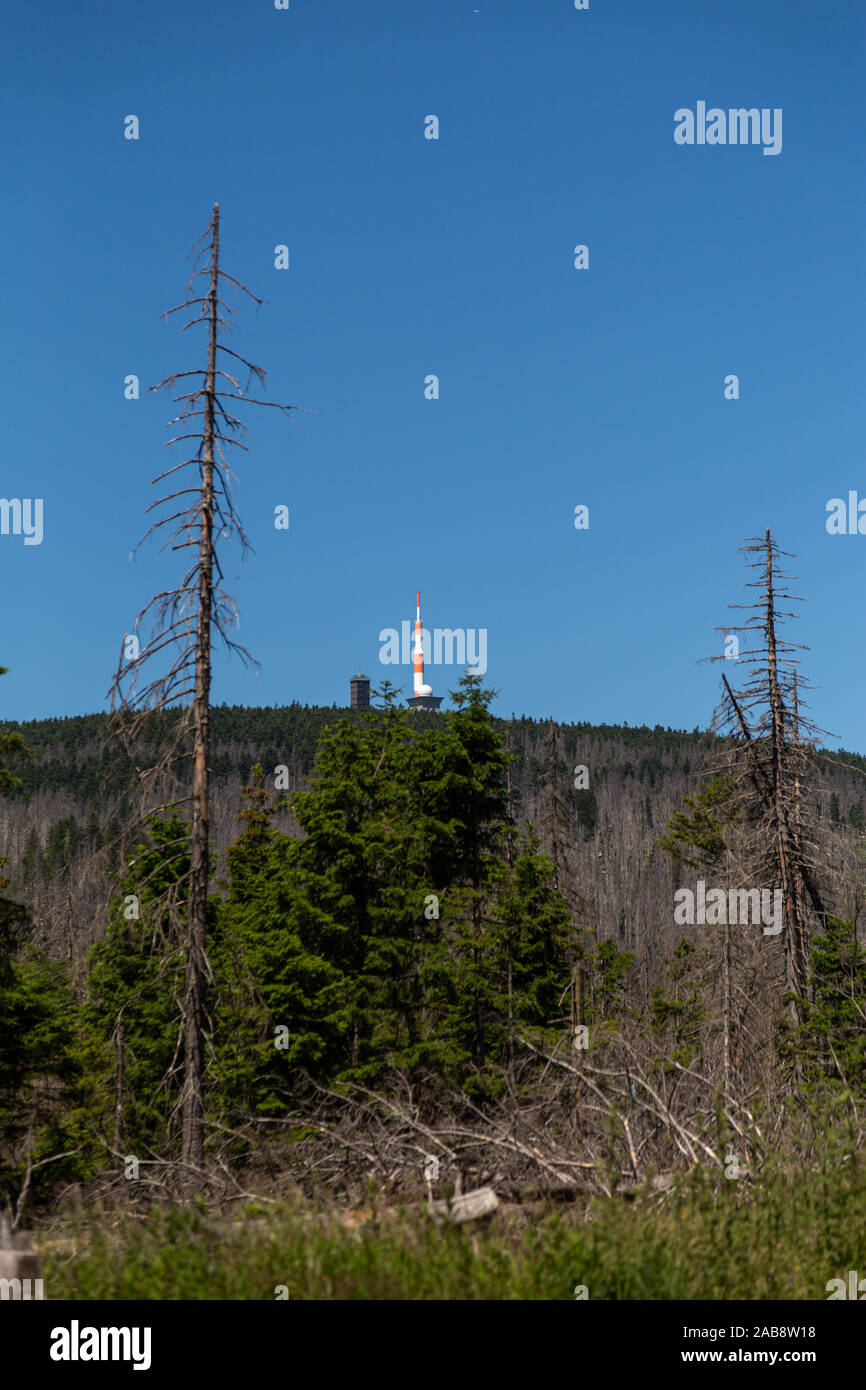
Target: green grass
x,y
782,1238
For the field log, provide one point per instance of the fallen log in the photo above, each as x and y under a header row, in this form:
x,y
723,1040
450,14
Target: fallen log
x,y
468,1207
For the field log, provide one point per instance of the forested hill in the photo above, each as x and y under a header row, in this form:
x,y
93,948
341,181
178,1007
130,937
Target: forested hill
x,y
57,826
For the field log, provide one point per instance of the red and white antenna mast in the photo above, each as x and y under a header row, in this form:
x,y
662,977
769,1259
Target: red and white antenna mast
x,y
422,694
419,688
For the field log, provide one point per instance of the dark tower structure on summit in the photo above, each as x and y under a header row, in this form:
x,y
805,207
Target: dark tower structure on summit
x,y
359,687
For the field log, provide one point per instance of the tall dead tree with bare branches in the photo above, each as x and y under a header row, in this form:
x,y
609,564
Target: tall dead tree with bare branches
x,y
185,620
767,757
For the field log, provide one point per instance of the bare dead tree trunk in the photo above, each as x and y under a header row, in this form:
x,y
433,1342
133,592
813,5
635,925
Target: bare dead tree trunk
x,y
726,1021
510,1006
553,784
188,617
577,1016
118,1098
196,984
797,831
577,1005
766,762
794,926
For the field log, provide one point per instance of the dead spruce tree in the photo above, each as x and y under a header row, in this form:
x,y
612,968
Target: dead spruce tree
x,y
184,622
769,760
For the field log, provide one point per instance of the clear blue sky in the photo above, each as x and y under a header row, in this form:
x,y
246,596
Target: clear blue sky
x,y
409,257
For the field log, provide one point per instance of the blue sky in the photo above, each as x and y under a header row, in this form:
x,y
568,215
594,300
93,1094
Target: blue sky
x,y
453,257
